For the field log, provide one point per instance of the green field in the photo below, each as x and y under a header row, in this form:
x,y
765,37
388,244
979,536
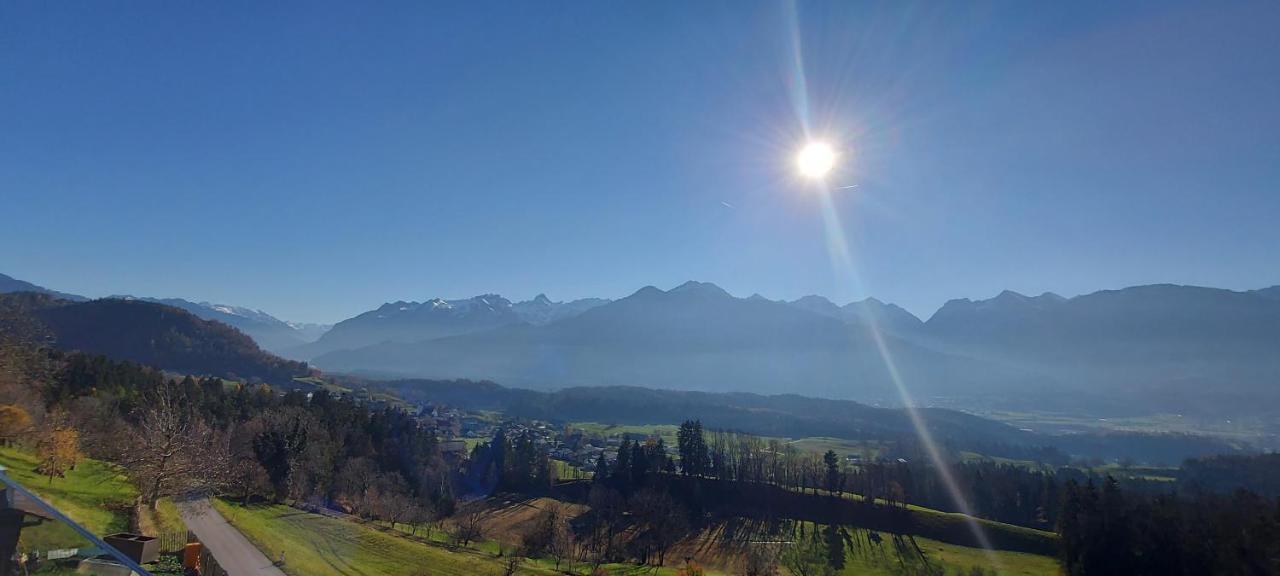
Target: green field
x,y
1002,535
95,494
665,431
316,545
886,561
1010,563
817,444
1243,429
868,449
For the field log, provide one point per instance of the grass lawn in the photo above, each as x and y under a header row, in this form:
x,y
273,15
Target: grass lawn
x,y
316,545
95,494
1011,563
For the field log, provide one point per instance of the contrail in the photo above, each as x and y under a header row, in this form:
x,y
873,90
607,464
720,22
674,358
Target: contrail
x,y
726,204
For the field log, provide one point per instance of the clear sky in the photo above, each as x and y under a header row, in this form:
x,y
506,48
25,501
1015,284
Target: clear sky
x,y
315,160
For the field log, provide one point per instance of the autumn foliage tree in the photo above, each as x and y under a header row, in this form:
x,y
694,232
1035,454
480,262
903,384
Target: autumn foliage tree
x,y
59,450
14,422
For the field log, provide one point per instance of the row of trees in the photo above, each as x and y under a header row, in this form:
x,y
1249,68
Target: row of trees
x,y
520,464
1004,492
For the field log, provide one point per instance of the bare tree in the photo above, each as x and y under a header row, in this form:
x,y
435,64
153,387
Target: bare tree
x,y
549,534
169,450
662,522
421,513
604,522
560,544
467,528
512,564
760,561
395,507
249,479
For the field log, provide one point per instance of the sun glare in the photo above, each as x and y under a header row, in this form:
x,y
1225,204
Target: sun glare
x,y
816,160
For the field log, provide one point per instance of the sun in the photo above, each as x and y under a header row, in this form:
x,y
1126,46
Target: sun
x,y
816,160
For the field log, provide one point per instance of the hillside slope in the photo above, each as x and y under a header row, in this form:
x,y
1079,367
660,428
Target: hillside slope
x,y
154,334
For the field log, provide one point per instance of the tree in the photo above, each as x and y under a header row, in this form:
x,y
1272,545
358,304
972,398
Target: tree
x,y
14,422
805,557
661,521
168,450
604,521
540,537
833,471
250,480
421,513
562,542
512,564
760,561
395,506
59,450
692,446
467,528
835,548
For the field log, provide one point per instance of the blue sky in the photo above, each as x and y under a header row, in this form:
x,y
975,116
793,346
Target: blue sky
x,y
315,160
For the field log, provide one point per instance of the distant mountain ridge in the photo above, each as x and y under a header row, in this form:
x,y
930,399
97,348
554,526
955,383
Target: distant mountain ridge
x,y
402,322
269,332
1182,348
889,317
10,284
695,336
1175,348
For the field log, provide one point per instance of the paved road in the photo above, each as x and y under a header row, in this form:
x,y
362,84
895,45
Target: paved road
x,y
233,551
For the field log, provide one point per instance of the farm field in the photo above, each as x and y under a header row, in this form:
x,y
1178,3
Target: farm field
x,y
720,546
321,545
817,444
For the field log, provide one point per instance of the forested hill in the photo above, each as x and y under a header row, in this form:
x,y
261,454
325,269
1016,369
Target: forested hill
x,y
154,334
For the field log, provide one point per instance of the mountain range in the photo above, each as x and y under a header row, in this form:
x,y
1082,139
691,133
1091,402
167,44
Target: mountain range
x,y
1175,348
405,322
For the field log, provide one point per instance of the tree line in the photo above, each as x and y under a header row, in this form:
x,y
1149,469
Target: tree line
x,y
1003,492
1108,529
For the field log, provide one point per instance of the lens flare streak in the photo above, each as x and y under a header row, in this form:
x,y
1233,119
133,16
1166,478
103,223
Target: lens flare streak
x,y
842,263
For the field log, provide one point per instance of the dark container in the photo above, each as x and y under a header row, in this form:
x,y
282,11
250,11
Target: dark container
x,y
139,548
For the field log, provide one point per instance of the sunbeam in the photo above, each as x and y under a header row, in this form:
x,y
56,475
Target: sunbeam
x,y
815,164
